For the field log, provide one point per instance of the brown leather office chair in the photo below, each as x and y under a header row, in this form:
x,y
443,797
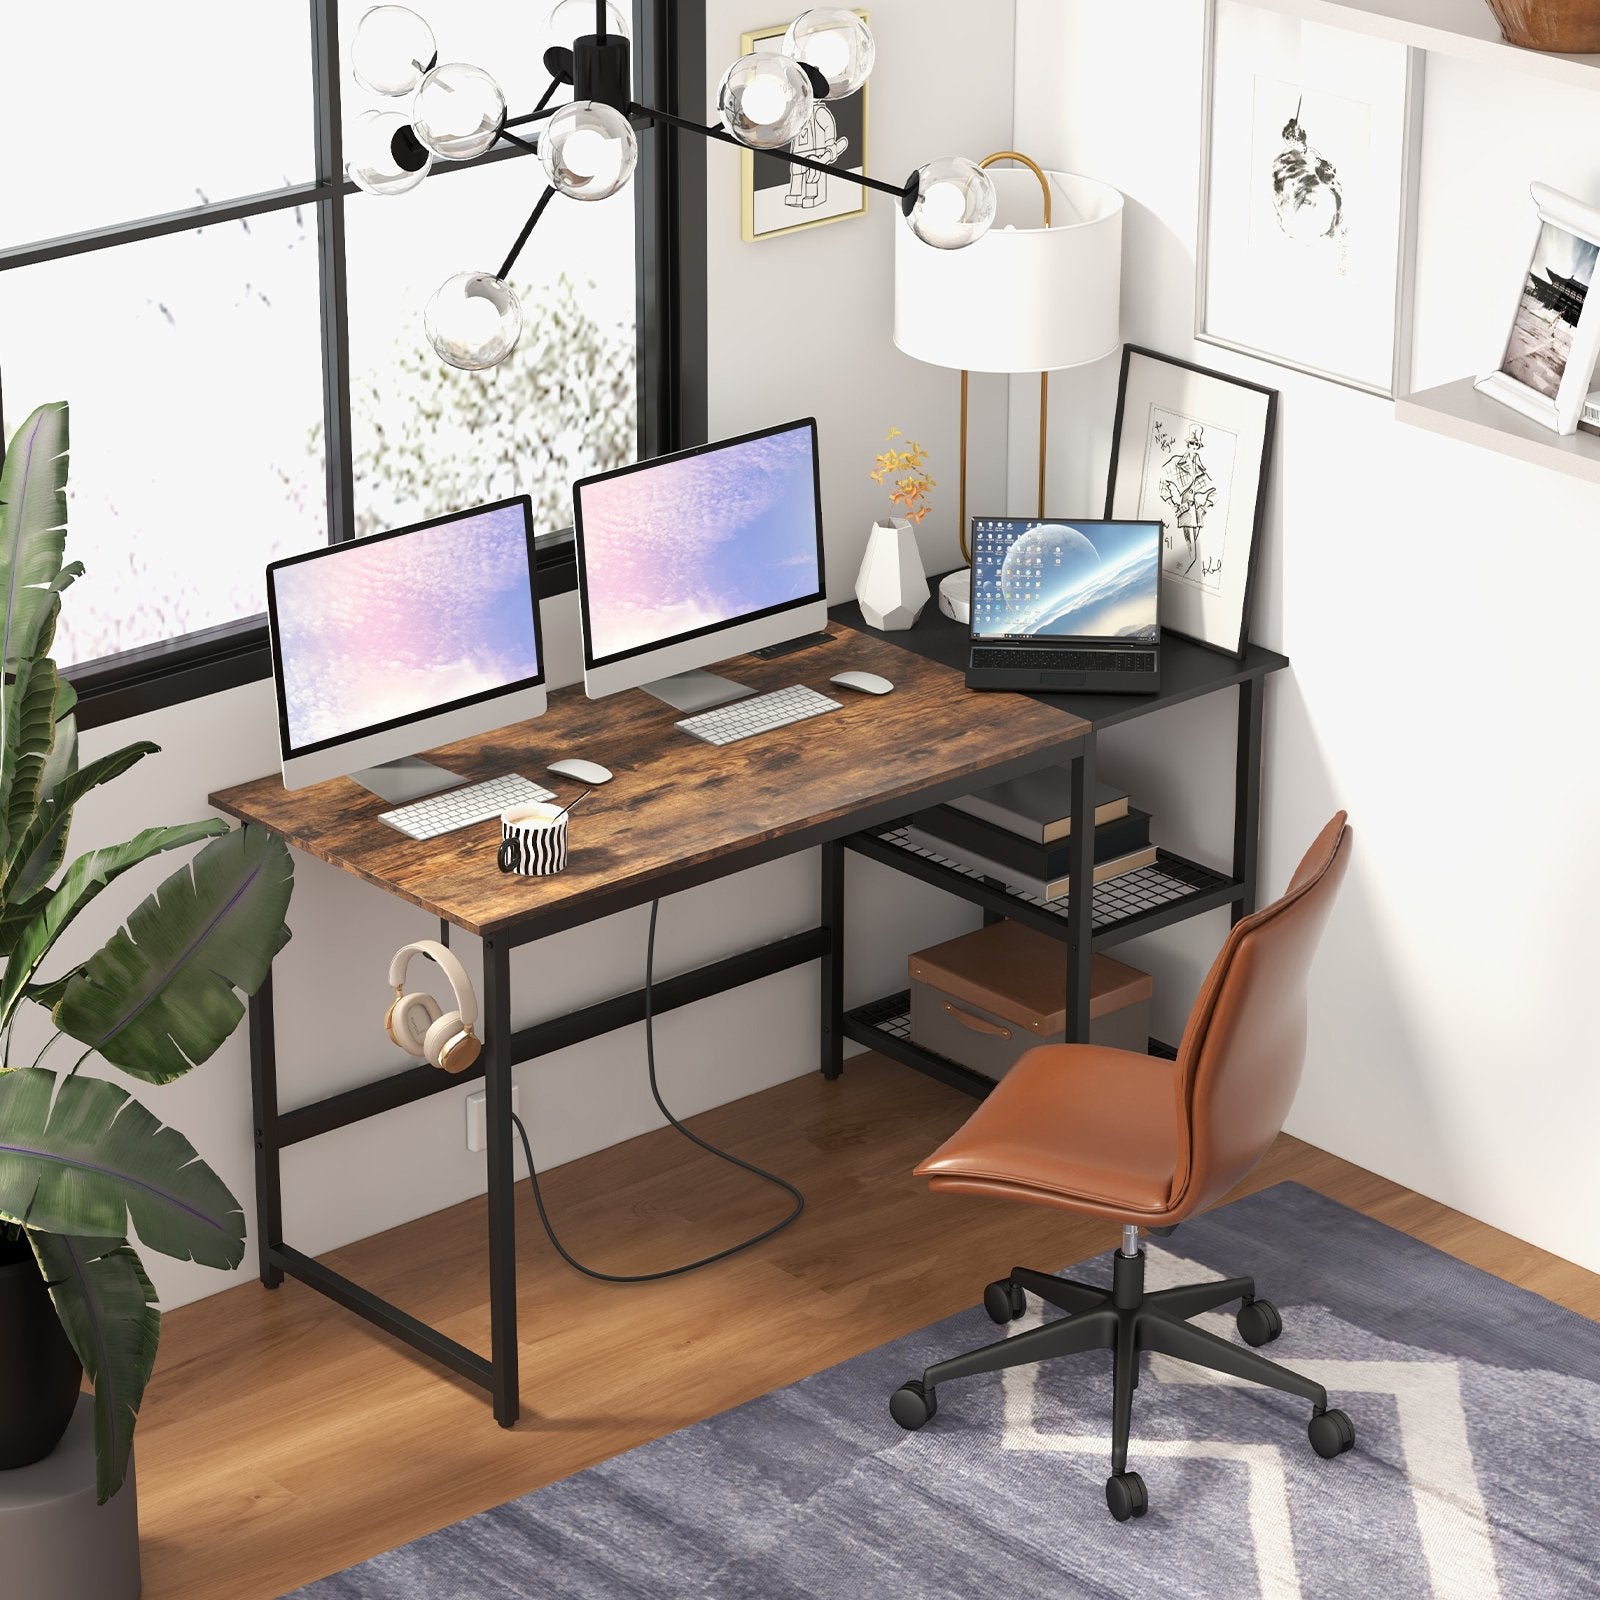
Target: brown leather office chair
x,y
1148,1142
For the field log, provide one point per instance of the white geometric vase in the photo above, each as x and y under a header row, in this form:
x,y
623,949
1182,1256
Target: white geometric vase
x,y
892,587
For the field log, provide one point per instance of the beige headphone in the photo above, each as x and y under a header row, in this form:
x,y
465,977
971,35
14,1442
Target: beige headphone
x,y
414,1021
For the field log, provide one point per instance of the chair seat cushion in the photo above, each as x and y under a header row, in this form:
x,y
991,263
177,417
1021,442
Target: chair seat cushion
x,y
1077,1126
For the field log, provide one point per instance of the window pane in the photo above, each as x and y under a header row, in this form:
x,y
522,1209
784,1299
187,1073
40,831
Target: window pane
x,y
429,439
193,367
114,111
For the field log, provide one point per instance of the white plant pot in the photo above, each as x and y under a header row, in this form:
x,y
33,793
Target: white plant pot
x,y
892,587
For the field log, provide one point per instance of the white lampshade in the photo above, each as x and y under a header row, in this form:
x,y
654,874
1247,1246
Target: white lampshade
x,y
1023,298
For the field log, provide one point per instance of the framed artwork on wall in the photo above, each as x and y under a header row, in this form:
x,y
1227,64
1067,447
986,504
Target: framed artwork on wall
x,y
1550,352
1190,449
778,197
1308,196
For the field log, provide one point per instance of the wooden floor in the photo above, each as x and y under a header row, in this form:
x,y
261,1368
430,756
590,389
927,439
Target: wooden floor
x,y
284,1439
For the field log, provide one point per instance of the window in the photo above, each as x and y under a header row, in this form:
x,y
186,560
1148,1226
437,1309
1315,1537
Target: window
x,y
238,329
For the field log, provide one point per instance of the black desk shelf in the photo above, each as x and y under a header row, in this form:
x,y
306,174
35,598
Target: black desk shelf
x,y
885,1026
1171,890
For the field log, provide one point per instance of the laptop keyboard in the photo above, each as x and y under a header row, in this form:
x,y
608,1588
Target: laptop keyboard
x,y
986,656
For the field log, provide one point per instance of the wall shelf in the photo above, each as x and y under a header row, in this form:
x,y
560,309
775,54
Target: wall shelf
x,y
1462,28
1458,411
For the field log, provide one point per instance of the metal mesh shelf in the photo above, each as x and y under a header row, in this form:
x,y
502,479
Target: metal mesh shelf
x,y
1151,894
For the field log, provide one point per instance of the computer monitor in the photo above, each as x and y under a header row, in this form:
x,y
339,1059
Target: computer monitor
x,y
696,557
405,640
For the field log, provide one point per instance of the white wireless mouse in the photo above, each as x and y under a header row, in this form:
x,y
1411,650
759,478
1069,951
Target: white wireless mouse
x,y
866,682
590,772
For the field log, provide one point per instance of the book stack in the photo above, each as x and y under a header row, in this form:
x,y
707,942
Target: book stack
x,y
1020,832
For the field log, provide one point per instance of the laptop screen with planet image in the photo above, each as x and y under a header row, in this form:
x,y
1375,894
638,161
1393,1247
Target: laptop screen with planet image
x,y
1052,578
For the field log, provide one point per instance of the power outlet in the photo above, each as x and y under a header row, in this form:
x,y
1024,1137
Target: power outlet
x,y
477,1137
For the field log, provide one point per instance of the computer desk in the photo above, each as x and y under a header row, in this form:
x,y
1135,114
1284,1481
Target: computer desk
x,y
679,813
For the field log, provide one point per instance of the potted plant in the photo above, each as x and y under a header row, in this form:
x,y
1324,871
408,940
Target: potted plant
x,y
892,585
83,1163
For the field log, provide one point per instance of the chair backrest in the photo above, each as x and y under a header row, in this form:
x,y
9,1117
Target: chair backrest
x,y
1244,1046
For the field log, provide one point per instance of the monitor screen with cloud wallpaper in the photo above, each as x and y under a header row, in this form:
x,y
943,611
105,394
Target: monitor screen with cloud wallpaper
x,y
1036,578
686,545
383,632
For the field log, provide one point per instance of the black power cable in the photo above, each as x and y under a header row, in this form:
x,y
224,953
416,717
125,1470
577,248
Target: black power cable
x,y
722,1155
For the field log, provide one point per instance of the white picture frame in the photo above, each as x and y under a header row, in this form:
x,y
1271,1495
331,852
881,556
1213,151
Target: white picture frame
x,y
1308,196
1545,371
1191,448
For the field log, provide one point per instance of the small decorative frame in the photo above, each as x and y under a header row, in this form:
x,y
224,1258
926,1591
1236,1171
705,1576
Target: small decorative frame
x,y
1554,339
1190,448
1308,196
778,197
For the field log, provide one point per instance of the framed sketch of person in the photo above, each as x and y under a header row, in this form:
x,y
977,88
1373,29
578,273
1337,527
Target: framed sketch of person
x,y
779,197
1308,188
1549,354
1190,449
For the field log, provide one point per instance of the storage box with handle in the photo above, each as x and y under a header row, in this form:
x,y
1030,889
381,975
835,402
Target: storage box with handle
x,y
983,999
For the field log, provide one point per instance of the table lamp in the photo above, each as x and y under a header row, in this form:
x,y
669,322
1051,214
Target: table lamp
x,y
1024,298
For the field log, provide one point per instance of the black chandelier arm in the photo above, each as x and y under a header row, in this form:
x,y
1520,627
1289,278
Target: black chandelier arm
x,y
899,190
530,145
542,109
527,228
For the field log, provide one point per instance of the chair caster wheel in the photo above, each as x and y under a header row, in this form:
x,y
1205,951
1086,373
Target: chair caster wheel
x,y
911,1405
1258,1322
1004,1301
1125,1496
1331,1433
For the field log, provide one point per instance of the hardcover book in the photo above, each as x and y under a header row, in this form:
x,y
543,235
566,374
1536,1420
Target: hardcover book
x,y
1042,888
1038,806
964,833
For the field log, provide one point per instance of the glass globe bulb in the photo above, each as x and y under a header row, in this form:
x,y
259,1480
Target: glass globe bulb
x,y
837,43
391,50
588,150
473,320
574,19
376,162
953,205
458,111
765,100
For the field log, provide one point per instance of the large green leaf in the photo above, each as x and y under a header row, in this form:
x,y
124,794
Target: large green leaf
x,y
37,853
30,736
108,1307
33,531
84,879
95,1159
159,997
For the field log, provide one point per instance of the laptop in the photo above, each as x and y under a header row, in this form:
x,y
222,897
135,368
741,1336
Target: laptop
x,y
1065,603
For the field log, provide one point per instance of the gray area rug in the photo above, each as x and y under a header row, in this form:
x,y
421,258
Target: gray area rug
x,y
1474,1477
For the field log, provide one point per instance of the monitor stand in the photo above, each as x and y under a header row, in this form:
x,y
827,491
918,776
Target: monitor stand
x,y
696,691
409,778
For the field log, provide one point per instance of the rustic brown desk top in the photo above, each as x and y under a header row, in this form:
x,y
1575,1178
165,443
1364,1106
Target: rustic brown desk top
x,y
676,804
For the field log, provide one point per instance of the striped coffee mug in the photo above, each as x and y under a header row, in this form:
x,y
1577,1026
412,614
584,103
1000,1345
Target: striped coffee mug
x,y
533,840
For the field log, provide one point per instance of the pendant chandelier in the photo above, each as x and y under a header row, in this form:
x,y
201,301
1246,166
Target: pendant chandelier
x,y
588,147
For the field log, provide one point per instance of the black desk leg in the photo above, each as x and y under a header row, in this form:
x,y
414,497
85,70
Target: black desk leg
x,y
264,1106
832,919
502,1179
1247,794
1080,907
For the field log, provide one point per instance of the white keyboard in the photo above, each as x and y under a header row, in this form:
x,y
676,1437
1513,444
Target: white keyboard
x,y
460,808
759,714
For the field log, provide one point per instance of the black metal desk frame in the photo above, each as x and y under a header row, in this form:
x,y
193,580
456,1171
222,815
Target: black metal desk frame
x,y
864,832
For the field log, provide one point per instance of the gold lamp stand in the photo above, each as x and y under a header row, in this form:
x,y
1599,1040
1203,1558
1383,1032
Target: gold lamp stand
x,y
1044,377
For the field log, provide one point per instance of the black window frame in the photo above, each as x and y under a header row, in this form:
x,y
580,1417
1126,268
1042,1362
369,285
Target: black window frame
x,y
669,207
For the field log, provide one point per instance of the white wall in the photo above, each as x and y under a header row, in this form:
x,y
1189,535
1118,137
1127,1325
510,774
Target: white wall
x,y
1450,1047
797,326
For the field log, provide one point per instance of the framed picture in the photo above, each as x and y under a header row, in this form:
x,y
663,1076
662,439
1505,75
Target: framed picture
x,y
1550,351
779,197
1189,449
1308,196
